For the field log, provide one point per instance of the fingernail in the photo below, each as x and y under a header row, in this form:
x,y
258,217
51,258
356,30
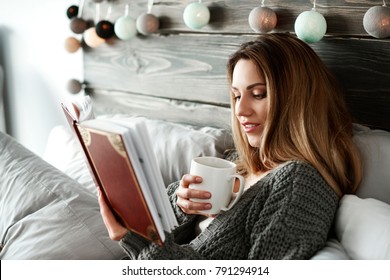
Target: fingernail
x,y
207,195
208,206
198,179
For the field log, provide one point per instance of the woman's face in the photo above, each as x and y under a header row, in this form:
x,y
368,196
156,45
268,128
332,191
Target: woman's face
x,y
250,92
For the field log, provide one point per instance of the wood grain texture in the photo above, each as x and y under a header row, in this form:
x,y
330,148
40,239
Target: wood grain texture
x,y
115,102
179,64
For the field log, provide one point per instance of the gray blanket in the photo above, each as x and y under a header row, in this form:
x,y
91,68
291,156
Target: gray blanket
x,y
44,214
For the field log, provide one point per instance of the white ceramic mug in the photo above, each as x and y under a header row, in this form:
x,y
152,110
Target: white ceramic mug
x,y
218,178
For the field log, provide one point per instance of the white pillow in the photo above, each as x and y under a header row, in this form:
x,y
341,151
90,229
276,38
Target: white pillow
x,y
174,145
363,227
333,250
375,148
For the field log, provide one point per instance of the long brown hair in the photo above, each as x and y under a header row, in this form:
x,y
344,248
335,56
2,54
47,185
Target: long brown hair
x,y
307,117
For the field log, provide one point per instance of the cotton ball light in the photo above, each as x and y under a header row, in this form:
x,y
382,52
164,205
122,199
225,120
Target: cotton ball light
x,y
196,15
78,25
72,11
125,28
262,19
91,38
310,26
104,29
74,86
376,21
147,23
72,44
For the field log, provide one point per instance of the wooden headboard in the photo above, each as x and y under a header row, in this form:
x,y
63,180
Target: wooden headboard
x,y
179,74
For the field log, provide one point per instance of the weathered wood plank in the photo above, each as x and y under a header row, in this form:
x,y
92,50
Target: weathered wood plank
x,y
114,102
192,68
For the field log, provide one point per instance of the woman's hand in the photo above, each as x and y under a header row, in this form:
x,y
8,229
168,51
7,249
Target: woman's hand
x,y
184,193
115,230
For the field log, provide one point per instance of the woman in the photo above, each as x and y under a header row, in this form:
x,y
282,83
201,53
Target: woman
x,y
292,134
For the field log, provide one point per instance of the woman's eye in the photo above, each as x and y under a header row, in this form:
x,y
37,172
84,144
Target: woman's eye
x,y
236,98
260,95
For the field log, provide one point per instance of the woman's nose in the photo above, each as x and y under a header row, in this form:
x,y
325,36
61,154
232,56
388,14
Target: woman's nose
x,y
243,107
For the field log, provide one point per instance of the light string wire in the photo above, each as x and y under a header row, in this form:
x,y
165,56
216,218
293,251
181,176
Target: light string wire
x,y
126,9
81,7
97,15
314,5
109,10
384,3
150,6
262,3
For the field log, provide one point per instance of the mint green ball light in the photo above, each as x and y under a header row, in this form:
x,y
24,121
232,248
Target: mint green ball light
x,y
196,15
310,26
125,28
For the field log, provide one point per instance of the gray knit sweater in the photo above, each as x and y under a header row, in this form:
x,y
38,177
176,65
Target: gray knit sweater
x,y
285,215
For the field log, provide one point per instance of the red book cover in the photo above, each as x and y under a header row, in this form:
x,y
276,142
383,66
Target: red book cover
x,y
118,181
113,172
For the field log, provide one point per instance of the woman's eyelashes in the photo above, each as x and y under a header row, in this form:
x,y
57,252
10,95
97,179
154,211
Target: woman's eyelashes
x,y
255,94
259,96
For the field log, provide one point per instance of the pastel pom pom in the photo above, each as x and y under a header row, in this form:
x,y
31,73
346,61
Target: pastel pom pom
x,y
310,26
376,21
196,15
72,44
262,19
125,28
92,39
147,23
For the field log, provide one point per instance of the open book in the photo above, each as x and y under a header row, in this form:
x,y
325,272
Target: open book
x,y
123,165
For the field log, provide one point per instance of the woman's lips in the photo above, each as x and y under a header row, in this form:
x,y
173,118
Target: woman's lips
x,y
249,127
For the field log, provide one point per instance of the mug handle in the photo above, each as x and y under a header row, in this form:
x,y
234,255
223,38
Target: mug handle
x,y
238,194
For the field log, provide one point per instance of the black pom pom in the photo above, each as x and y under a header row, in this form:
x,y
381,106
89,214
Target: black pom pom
x,y
72,11
105,29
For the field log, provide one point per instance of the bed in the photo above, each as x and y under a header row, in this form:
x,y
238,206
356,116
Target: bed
x,y
175,82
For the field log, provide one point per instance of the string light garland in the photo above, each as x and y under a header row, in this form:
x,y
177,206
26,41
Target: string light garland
x,y
262,19
196,15
310,26
376,21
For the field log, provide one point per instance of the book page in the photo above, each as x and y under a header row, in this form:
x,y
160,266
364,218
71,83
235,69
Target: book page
x,y
142,143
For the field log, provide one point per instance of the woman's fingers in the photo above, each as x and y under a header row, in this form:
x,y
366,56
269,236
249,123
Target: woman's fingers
x,y
185,194
191,207
115,230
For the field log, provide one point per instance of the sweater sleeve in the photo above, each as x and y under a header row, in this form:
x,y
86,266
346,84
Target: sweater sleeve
x,y
138,247
296,218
